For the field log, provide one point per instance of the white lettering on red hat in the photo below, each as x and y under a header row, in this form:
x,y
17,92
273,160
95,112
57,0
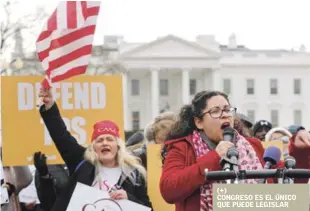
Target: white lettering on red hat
x,y
102,129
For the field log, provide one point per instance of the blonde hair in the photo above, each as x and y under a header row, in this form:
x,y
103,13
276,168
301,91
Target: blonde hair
x,y
136,146
163,121
125,160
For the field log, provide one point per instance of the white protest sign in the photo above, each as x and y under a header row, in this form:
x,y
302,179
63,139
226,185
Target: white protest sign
x,y
86,198
4,191
4,196
29,194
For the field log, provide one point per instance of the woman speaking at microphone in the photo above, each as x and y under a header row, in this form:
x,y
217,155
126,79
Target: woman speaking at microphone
x,y
195,144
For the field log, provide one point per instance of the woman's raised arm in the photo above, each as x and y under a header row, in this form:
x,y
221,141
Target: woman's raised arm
x,y
68,147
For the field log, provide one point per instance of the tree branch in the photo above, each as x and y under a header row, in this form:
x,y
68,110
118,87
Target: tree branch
x,y
9,26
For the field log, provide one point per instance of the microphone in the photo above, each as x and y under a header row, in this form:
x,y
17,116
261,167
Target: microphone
x,y
232,154
289,163
228,134
271,157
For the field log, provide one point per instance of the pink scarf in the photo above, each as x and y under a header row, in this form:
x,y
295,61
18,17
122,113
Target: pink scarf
x,y
247,161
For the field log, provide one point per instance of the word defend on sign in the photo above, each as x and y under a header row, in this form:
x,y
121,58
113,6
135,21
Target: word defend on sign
x,y
82,101
73,95
264,197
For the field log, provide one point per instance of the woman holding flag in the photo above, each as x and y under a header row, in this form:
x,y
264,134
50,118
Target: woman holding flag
x,y
105,164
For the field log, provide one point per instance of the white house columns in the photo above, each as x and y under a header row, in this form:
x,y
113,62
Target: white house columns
x,y
155,92
216,80
185,86
125,101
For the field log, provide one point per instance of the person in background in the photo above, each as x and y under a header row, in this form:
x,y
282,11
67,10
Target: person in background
x,y
138,147
134,140
241,128
247,123
293,128
105,164
156,133
160,127
280,134
15,179
28,196
195,144
261,128
50,180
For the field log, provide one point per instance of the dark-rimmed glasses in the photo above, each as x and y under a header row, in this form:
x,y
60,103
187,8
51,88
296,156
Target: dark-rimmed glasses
x,y
217,112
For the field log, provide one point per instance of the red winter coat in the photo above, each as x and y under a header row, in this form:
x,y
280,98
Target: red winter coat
x,y
183,174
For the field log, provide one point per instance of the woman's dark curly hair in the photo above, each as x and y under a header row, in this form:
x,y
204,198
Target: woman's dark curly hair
x,y
185,124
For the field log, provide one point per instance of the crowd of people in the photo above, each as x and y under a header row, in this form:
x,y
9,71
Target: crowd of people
x,y
191,142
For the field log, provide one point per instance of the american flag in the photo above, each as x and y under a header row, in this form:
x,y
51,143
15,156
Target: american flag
x,y
64,46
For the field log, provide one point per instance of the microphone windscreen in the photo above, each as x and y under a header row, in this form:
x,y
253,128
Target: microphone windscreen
x,y
290,162
228,131
272,154
135,139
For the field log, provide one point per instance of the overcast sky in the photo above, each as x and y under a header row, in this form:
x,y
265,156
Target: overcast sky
x,y
260,24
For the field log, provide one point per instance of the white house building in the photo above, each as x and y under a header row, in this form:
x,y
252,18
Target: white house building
x,y
165,73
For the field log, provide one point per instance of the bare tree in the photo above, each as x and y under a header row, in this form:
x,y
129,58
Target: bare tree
x,y
112,65
12,23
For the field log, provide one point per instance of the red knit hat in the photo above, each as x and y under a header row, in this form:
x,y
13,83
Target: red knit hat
x,y
105,127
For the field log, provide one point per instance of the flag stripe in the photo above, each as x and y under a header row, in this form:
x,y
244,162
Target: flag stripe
x,y
62,16
69,73
72,13
62,41
80,18
76,44
84,9
91,4
44,35
85,50
64,47
81,61
92,11
45,44
52,21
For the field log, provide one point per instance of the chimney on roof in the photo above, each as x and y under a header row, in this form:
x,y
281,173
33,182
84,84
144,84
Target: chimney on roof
x,y
208,42
112,41
232,41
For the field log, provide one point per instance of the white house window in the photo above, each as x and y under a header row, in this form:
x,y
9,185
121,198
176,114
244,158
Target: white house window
x,y
227,86
163,85
273,86
135,120
297,86
274,117
250,86
251,115
192,86
135,87
297,117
